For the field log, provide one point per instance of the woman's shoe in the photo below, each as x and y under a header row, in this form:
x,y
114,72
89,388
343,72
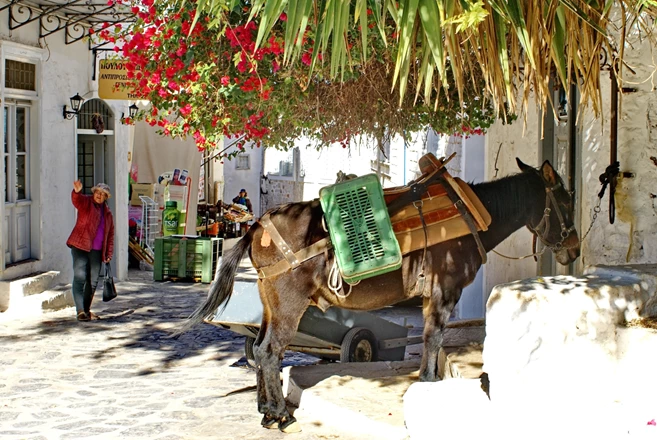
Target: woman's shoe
x,y
93,316
83,316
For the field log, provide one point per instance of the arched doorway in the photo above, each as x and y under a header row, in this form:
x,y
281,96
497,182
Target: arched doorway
x,y
95,144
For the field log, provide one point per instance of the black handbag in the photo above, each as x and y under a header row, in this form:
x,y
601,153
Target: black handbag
x,y
109,290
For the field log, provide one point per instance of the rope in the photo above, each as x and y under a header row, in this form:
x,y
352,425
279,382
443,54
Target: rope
x,y
609,178
535,254
335,281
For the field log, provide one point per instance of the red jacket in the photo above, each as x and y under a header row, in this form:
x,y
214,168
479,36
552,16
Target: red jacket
x,y
87,224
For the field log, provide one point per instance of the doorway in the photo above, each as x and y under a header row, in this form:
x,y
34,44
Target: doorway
x,y
18,202
91,157
560,146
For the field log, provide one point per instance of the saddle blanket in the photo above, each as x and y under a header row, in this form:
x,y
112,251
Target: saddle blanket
x,y
443,220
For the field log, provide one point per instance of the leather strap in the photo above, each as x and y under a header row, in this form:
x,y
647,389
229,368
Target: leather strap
x,y
281,244
464,213
304,254
419,285
414,193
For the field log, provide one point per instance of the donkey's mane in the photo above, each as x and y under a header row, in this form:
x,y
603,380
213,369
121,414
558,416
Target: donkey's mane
x,y
508,196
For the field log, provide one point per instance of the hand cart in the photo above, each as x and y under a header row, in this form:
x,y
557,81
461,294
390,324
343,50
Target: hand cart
x,y
336,334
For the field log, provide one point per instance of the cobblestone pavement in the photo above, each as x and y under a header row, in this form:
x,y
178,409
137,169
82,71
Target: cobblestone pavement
x,y
125,377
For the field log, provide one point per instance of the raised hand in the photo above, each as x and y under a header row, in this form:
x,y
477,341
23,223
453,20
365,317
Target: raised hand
x,y
77,186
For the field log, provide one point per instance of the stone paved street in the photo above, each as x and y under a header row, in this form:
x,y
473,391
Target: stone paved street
x,y
125,377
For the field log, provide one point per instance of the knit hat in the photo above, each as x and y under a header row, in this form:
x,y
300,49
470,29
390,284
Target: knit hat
x,y
242,190
102,187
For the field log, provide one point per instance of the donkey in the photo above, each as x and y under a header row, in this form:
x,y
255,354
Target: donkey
x,y
535,198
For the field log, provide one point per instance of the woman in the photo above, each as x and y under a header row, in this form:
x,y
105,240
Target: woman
x,y
91,242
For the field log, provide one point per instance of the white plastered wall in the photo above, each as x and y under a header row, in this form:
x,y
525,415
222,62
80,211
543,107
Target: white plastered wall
x,y
64,70
505,142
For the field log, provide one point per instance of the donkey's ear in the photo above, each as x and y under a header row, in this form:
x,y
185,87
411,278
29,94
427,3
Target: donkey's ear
x,y
548,173
523,166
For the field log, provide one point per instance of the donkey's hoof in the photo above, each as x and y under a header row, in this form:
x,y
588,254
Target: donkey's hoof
x,y
290,426
269,423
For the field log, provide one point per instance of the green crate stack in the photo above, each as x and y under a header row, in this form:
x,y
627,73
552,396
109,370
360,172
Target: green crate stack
x,y
179,257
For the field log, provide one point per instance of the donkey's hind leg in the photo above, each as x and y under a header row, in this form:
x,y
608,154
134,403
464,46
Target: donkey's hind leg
x,y
436,314
280,320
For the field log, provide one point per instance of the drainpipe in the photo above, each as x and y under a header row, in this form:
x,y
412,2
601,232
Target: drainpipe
x,y
613,142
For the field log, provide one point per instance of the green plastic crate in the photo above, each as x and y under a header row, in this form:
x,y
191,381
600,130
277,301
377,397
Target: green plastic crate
x,y
359,225
178,257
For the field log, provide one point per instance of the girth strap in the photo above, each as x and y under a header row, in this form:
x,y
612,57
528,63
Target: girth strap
x,y
292,259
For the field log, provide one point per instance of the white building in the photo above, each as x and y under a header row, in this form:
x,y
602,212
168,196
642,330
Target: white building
x,y
45,60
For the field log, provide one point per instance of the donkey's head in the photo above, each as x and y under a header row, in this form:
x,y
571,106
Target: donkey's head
x,y
554,225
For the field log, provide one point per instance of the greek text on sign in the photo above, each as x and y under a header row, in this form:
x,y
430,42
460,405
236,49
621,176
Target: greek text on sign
x,y
113,79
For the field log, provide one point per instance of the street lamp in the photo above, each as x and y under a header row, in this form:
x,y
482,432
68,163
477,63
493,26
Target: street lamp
x,y
133,109
76,102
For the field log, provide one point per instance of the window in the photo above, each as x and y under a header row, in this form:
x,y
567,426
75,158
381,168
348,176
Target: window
x,y
242,162
20,76
16,152
86,166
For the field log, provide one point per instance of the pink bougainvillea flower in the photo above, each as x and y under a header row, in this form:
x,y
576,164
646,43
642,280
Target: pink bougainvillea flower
x,y
187,109
652,422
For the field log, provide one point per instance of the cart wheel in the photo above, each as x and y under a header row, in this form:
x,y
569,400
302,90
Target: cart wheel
x,y
359,345
248,351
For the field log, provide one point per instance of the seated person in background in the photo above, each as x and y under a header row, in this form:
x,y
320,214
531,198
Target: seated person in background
x,y
243,199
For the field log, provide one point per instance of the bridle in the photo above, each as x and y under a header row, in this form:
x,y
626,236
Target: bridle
x,y
543,228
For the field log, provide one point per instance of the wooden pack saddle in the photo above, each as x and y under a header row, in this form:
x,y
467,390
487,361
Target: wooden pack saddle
x,y
444,219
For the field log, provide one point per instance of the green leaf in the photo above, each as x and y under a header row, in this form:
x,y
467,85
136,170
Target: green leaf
x,y
360,14
406,26
559,44
431,23
502,51
273,10
296,27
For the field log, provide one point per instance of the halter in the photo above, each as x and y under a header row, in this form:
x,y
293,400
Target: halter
x,y
545,221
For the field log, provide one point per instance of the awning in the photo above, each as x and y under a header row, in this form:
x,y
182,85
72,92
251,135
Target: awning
x,y
74,17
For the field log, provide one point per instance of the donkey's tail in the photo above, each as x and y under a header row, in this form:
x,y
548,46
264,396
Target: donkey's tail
x,y
221,288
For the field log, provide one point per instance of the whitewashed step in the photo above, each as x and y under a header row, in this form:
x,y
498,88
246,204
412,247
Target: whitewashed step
x,y
35,283
13,291
57,298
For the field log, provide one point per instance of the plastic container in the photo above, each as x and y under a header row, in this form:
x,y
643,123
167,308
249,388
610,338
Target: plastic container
x,y
187,258
359,225
170,218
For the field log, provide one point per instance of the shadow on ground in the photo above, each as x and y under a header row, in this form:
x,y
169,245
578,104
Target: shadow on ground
x,y
145,316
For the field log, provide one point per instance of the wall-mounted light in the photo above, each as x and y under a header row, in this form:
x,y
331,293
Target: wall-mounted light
x,y
76,102
133,109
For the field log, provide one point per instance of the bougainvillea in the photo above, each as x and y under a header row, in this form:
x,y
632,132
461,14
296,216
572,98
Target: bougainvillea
x,y
209,82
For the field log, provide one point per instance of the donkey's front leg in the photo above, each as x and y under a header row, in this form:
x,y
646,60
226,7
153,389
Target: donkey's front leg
x,y
436,314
